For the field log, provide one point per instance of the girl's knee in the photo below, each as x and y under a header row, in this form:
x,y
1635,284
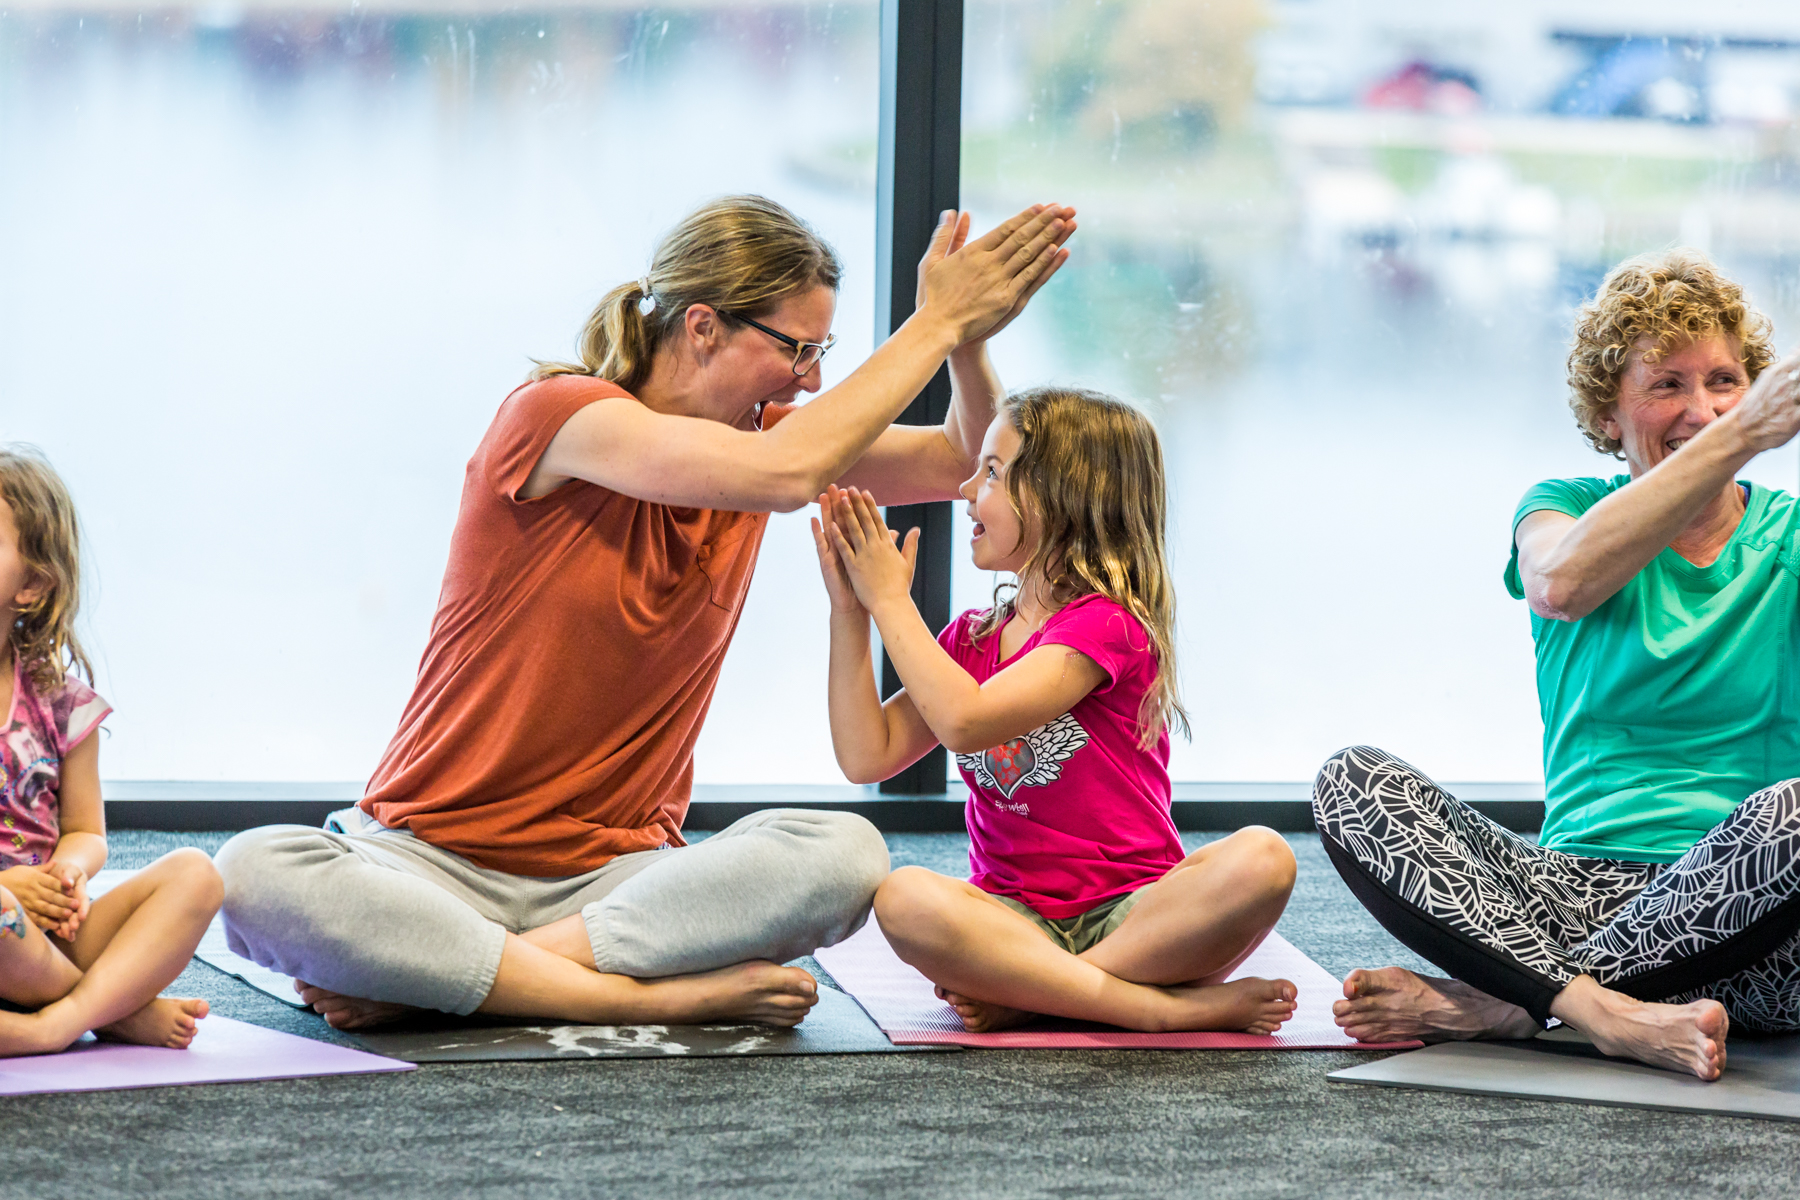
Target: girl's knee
x,y
909,901
1263,860
194,873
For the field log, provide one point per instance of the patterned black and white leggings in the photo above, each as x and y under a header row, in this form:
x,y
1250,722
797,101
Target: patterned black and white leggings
x,y
1519,921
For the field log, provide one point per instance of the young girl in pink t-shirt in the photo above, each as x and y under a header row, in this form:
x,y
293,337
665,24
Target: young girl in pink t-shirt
x,y
1056,702
68,966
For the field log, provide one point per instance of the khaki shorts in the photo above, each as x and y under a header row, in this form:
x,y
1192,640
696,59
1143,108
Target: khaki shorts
x,y
1078,933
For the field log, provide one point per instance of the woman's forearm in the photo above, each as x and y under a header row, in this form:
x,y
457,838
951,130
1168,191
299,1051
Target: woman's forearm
x,y
1619,536
821,440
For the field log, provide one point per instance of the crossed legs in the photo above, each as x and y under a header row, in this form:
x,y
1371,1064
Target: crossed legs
x,y
1160,970
1531,933
135,941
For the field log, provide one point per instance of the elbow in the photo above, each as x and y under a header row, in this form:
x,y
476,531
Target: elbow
x,y
1556,600
963,738
859,772
792,490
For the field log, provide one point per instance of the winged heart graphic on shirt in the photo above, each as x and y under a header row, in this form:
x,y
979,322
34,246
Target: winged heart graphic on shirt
x,y
1033,760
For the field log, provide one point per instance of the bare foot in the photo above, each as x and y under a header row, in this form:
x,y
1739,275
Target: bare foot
x,y
166,1021
350,1012
1394,1005
978,1016
1681,1037
1242,1005
763,993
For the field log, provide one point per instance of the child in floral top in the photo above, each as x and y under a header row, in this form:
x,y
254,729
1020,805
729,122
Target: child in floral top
x,y
72,965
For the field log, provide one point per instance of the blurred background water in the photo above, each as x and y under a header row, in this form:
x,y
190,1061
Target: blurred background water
x,y
266,270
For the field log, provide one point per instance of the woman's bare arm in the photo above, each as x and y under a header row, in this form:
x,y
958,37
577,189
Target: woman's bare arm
x,y
622,445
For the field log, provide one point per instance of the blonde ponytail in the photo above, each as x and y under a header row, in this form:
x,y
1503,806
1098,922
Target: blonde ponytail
x,y
742,254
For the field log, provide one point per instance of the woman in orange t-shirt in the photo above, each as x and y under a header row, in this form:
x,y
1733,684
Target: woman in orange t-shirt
x,y
519,848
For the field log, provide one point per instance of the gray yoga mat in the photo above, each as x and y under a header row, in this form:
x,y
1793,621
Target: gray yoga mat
x,y
1761,1079
836,1025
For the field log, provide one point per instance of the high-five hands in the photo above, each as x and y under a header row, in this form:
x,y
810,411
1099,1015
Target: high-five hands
x,y
979,287
868,566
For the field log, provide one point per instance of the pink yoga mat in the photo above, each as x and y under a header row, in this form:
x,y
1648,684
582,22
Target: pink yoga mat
x,y
225,1051
901,1001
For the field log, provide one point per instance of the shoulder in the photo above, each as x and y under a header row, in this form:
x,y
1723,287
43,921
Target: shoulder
x,y
552,401
959,635
68,710
1570,496
1104,630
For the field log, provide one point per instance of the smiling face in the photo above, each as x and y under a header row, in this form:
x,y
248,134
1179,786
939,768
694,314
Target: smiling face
x,y
1001,542
21,585
1662,404
742,368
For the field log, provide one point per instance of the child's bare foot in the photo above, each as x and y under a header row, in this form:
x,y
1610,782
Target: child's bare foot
x,y
1681,1037
1250,1005
166,1021
763,993
978,1016
350,1012
1394,1005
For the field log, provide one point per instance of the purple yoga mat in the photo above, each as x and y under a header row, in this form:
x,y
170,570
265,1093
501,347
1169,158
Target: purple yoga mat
x,y
225,1051
902,1002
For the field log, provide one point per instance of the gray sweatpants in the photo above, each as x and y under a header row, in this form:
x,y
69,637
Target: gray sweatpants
x,y
385,916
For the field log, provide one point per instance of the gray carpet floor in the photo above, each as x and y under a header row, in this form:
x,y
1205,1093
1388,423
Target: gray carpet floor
x,y
990,1124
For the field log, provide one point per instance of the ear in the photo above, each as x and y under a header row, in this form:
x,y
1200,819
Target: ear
x,y
704,329
32,593
1609,422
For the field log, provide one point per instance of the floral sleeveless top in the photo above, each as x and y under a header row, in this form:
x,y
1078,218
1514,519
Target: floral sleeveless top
x,y
39,732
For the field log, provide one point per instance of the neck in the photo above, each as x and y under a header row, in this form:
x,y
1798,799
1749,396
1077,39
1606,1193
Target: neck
x,y
1712,526
670,389
1034,604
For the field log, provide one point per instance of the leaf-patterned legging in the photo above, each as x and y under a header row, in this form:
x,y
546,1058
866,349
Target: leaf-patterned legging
x,y
1519,921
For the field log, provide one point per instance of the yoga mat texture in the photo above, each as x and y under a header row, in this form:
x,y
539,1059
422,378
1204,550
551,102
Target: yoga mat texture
x,y
835,1026
902,1002
213,950
1761,1079
224,1051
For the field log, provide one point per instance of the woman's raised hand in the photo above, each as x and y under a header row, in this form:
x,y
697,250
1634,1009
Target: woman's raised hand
x,y
1769,413
878,566
979,287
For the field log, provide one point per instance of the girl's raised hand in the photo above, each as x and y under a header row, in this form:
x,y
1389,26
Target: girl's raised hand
x,y
880,570
837,583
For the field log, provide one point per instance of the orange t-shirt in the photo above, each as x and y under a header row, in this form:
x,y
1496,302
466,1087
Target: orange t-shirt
x,y
577,641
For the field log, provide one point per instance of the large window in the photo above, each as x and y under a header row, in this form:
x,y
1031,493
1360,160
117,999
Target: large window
x,y
1334,248
266,272
265,276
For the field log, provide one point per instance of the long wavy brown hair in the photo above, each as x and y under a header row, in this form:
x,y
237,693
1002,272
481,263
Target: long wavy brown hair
x,y
43,635
1089,476
738,254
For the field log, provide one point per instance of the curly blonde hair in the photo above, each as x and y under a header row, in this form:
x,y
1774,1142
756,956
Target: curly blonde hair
x,y
1090,468
43,636
1672,297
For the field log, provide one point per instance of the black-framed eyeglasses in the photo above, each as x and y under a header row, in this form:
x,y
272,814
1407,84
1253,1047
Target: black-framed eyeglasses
x,y
806,354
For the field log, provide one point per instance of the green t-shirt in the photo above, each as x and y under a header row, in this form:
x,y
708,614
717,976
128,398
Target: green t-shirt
x,y
1675,700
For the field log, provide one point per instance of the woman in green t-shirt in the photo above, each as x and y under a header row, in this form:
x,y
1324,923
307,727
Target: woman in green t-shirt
x,y
1662,901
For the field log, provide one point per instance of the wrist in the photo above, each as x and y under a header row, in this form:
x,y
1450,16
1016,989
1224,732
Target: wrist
x,y
936,332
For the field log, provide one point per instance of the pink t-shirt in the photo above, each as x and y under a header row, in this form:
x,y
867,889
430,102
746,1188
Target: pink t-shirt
x,y
39,733
1072,813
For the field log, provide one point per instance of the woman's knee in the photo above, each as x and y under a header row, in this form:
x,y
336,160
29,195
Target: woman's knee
x,y
257,870
853,850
